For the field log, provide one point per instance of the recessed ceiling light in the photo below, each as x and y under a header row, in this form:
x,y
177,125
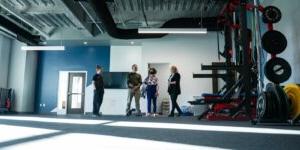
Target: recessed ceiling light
x,y
85,43
132,42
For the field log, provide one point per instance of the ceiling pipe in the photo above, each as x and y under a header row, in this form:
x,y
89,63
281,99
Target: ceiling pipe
x,y
102,10
21,34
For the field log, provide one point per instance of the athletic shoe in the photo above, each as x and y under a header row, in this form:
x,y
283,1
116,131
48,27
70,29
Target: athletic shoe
x,y
171,115
139,115
100,114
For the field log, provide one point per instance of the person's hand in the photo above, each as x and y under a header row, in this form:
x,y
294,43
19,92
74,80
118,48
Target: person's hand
x,y
136,88
156,94
130,85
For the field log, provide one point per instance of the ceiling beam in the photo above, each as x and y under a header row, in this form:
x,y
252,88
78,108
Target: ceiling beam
x,y
75,10
18,15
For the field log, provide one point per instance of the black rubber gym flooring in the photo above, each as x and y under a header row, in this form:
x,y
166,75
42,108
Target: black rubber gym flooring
x,y
118,132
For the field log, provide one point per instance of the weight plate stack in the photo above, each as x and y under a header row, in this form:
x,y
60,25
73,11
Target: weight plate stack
x,y
274,42
271,14
261,106
271,106
284,101
293,93
278,70
276,103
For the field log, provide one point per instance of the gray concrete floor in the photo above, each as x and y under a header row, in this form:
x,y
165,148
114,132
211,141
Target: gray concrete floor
x,y
119,132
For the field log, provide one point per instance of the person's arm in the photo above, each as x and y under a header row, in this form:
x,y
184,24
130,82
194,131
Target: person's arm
x,y
145,81
140,80
102,82
93,82
176,78
157,88
128,81
139,84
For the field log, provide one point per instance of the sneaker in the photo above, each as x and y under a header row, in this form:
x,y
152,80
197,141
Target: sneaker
x,y
139,115
100,114
148,114
154,115
171,115
129,113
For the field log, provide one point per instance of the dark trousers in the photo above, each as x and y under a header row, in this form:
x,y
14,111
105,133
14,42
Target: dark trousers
x,y
98,98
175,104
151,98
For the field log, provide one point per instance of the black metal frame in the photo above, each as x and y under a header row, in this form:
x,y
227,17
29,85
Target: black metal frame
x,y
246,71
243,67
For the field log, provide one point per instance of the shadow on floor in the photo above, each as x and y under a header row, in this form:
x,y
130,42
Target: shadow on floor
x,y
228,140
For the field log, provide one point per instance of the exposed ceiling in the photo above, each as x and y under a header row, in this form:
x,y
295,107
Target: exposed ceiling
x,y
77,20
129,13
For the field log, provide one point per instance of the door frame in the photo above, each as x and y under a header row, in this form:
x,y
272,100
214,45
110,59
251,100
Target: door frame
x,y
63,110
70,83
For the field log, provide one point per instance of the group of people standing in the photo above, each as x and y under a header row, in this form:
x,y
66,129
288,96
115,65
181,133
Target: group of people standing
x,y
149,89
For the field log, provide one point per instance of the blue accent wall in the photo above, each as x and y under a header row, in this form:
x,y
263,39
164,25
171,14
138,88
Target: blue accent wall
x,y
83,58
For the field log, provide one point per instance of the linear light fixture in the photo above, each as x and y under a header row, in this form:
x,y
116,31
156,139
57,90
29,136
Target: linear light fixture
x,y
43,48
172,31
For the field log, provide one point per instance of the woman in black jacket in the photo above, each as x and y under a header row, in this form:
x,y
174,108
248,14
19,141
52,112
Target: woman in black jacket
x,y
174,90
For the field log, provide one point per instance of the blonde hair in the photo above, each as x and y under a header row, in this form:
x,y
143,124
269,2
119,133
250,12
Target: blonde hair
x,y
174,69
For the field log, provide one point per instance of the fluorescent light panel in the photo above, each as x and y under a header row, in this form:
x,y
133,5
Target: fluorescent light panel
x,y
172,30
43,48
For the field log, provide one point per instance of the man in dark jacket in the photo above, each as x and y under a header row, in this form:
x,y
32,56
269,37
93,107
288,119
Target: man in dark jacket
x,y
98,91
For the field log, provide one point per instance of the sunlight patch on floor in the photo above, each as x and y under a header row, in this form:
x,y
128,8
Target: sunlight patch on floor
x,y
103,142
202,127
9,133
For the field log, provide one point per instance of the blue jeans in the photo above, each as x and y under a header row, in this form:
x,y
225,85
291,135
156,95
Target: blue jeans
x,y
151,98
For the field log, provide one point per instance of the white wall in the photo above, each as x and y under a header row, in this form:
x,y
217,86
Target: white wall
x,y
21,78
16,74
29,81
289,25
121,60
186,52
5,44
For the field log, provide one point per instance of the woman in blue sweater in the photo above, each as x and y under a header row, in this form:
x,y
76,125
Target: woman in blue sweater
x,y
152,91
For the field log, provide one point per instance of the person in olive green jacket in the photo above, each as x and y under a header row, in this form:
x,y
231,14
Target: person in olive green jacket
x,y
134,82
